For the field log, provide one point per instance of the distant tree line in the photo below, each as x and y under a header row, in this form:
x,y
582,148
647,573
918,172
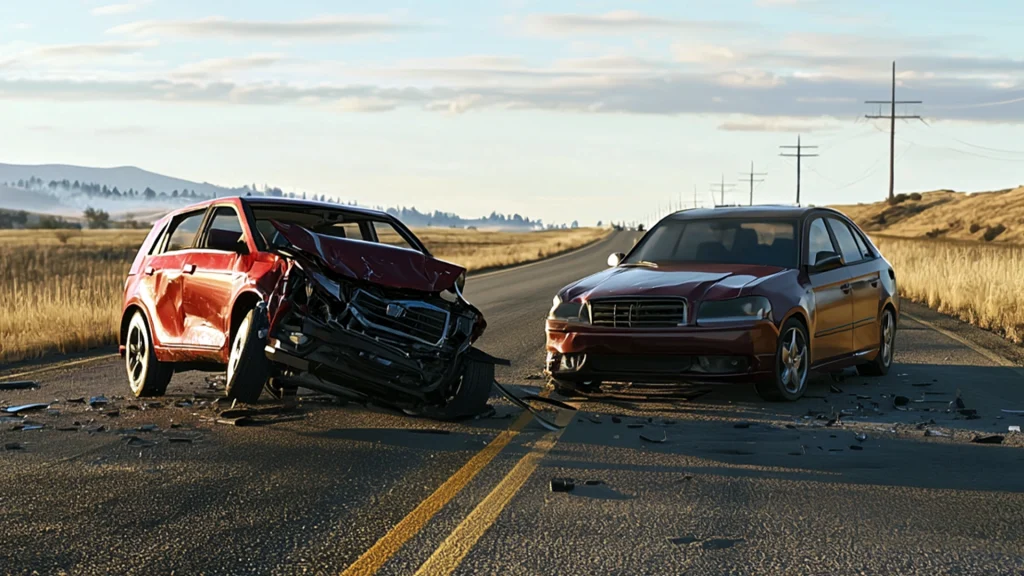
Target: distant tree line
x,y
93,189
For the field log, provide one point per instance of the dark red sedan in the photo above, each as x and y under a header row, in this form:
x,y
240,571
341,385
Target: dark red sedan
x,y
286,293
761,294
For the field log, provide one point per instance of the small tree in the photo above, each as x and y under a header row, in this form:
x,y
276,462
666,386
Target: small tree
x,y
97,219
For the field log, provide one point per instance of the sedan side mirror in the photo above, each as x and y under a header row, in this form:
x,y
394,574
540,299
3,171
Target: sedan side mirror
x,y
825,261
615,259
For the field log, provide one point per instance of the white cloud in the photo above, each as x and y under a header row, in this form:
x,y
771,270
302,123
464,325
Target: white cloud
x,y
702,53
367,104
322,28
217,67
617,22
777,124
115,9
22,26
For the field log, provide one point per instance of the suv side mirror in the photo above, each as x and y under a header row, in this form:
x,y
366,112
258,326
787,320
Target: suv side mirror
x,y
615,259
825,261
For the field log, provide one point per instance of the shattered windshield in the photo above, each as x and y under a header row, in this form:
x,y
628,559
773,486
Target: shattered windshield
x,y
719,241
333,223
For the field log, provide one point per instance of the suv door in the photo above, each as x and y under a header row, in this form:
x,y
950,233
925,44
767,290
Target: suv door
x,y
161,288
863,276
831,327
215,270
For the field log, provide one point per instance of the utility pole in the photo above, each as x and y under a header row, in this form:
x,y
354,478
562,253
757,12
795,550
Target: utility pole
x,y
799,154
892,126
695,196
751,179
722,188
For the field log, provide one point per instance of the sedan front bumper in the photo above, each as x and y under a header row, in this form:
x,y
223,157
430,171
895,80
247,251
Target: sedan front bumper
x,y
581,353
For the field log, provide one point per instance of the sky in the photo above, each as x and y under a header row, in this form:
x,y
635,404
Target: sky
x,y
561,110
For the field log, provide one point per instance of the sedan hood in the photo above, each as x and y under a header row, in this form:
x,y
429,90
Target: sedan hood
x,y
695,282
381,264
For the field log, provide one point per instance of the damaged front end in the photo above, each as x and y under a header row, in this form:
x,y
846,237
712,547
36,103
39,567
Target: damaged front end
x,y
373,321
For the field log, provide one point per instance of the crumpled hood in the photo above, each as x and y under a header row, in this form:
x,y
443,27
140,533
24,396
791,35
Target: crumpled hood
x,y
381,264
695,282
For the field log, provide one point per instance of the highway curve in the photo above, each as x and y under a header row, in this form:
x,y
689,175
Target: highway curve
x,y
739,486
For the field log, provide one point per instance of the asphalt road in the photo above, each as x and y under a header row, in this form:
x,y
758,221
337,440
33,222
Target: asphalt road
x,y
738,487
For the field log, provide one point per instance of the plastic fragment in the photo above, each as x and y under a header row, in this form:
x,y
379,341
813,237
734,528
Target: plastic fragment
x,y
19,385
1014,429
31,427
989,439
98,401
25,408
655,439
562,484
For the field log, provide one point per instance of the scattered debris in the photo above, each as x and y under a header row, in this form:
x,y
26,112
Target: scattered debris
x,y
616,420
741,425
989,439
68,429
861,437
935,433
14,446
1005,411
19,385
148,428
97,401
31,427
654,439
239,421
138,442
834,389
856,447
969,414
179,440
25,408
596,419
900,402
835,449
1014,429
78,400
562,484
863,397
921,384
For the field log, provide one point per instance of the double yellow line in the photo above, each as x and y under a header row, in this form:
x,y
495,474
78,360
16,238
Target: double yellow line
x,y
451,552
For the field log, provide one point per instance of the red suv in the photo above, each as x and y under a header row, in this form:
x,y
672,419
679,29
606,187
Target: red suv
x,y
283,293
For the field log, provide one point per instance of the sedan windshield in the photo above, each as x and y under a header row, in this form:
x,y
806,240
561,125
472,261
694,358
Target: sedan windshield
x,y
719,241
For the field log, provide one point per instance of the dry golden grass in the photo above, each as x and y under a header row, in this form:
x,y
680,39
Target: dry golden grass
x,y
62,293
978,283
986,216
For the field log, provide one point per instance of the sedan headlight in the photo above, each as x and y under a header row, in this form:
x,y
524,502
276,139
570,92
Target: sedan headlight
x,y
568,311
734,310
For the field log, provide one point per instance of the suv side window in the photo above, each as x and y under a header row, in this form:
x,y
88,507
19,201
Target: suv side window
x,y
181,234
847,244
818,241
225,230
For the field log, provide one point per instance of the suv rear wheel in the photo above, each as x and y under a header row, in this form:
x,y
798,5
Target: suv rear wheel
x,y
147,376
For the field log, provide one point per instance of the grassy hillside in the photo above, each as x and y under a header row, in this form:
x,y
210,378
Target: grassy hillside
x,y
984,216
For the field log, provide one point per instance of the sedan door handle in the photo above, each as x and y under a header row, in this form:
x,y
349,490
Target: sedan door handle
x,y
845,288
188,268
149,270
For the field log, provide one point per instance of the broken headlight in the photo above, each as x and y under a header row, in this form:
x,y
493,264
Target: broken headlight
x,y
330,286
568,311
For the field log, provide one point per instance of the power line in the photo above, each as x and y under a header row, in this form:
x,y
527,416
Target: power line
x,y
751,175
722,188
892,127
799,155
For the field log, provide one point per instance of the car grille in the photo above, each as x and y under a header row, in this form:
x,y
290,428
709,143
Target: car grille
x,y
409,318
638,312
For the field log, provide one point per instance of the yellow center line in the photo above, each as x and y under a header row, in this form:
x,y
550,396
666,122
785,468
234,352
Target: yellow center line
x,y
57,366
392,542
454,549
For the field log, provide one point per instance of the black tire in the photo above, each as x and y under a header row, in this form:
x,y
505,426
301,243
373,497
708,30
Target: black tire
x,y
789,380
147,376
248,367
886,347
473,392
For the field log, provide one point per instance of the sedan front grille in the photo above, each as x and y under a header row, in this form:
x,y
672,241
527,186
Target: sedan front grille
x,y
638,312
407,318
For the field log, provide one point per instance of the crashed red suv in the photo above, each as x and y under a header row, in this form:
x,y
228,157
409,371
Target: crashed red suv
x,y
286,293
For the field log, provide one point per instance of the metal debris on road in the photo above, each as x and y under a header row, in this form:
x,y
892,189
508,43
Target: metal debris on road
x,y
19,385
856,447
595,418
989,439
634,426
14,446
1005,411
138,442
97,401
31,427
835,389
654,439
935,433
25,408
562,484
78,400
900,402
179,440
861,437
239,421
616,420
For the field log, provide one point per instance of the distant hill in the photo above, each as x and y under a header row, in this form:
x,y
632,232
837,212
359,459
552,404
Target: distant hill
x,y
982,216
132,193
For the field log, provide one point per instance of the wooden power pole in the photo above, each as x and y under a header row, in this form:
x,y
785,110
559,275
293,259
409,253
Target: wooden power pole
x,y
892,127
799,155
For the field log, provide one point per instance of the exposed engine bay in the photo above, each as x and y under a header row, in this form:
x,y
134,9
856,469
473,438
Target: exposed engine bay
x,y
369,320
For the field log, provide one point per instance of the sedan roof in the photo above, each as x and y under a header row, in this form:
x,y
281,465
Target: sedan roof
x,y
763,211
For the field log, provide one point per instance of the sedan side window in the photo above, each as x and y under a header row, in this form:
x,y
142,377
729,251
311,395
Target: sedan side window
x,y
818,241
183,230
847,245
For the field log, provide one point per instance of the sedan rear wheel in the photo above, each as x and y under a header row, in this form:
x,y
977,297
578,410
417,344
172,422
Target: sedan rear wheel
x,y
147,376
886,347
792,364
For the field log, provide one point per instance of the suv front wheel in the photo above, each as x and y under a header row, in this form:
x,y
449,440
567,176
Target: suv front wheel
x,y
248,368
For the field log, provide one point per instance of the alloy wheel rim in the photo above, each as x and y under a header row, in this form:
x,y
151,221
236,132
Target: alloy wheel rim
x,y
136,357
236,348
888,335
793,367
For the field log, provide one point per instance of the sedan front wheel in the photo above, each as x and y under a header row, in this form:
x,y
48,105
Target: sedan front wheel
x,y
792,363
